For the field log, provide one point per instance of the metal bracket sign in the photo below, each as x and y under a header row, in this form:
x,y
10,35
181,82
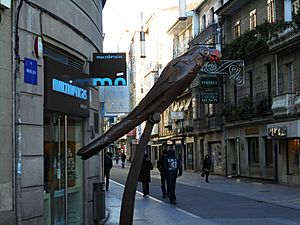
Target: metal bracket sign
x,y
232,68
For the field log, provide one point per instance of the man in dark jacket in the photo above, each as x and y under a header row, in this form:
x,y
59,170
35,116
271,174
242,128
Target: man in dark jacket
x,y
174,170
107,167
162,167
123,159
144,176
206,167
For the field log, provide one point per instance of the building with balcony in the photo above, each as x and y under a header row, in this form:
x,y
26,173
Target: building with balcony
x,y
260,139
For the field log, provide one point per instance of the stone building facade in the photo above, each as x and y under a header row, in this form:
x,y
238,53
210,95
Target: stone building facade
x,y
49,111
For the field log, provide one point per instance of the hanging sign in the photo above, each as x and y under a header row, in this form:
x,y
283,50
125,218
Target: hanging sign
x,y
109,69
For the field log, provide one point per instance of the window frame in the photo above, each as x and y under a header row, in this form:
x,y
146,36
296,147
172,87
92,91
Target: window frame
x,y
253,154
253,19
271,11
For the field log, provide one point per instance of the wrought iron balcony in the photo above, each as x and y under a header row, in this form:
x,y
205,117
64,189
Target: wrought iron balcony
x,y
284,104
287,37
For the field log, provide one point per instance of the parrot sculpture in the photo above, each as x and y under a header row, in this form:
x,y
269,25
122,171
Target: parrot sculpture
x,y
174,79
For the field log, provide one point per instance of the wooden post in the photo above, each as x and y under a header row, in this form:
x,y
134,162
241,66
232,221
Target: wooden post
x,y
127,207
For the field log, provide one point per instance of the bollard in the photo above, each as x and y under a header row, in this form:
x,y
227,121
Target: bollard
x,y
99,201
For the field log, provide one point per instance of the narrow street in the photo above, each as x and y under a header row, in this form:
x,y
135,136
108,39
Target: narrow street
x,y
227,201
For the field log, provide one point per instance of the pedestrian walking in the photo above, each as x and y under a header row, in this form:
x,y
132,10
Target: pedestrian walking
x,y
123,159
174,168
117,158
108,164
144,176
206,167
162,167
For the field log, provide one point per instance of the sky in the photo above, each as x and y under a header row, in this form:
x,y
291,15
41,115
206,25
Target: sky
x,y
120,16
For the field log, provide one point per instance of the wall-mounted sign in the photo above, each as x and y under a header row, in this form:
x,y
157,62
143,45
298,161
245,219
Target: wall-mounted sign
x,y
62,93
209,96
277,132
30,71
177,115
109,69
251,131
38,46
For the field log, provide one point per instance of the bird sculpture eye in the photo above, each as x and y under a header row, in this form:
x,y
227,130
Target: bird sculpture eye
x,y
205,52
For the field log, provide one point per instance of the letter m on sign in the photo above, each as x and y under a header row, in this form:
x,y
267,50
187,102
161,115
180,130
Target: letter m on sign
x,y
109,69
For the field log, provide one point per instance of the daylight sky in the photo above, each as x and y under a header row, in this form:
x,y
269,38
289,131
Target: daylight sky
x,y
120,16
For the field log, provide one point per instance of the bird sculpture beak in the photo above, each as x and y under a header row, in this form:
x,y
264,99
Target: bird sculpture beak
x,y
215,55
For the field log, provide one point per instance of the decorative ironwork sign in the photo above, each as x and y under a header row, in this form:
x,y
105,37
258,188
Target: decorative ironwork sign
x,y
232,68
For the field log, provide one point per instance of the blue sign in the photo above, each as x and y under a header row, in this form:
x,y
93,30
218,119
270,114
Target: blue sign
x,y
30,71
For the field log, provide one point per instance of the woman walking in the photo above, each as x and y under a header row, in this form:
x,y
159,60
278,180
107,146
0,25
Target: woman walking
x,y
144,176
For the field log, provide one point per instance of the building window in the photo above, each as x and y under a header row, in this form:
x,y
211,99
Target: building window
x,y
271,11
211,16
290,77
268,151
293,156
253,150
237,29
211,109
221,2
194,106
295,5
203,22
252,17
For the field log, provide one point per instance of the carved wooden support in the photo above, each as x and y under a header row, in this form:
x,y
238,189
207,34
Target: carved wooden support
x,y
127,207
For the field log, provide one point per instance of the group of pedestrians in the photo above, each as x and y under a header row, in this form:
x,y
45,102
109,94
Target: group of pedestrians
x,y
169,166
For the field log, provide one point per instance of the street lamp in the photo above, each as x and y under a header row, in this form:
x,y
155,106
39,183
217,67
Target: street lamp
x,y
142,38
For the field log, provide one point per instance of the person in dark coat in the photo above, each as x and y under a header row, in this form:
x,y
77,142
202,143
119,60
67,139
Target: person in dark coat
x,y
162,167
206,167
144,176
174,170
108,164
123,159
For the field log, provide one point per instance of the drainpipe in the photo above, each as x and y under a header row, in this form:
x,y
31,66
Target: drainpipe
x,y
276,74
238,155
16,111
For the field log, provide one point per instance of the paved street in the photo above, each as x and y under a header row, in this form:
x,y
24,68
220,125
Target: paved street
x,y
222,201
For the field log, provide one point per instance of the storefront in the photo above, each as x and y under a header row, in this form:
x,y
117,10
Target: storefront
x,y
66,106
285,138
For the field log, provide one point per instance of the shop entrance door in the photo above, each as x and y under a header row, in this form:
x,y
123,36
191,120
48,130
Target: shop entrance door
x,y
62,136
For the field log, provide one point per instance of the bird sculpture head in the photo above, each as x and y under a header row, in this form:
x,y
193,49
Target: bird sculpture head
x,y
200,52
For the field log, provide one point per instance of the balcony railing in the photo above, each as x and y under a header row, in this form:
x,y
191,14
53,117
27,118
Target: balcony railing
x,y
288,35
284,104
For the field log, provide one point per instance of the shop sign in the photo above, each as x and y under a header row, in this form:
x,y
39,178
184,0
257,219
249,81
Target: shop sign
x,y
251,131
209,82
109,69
30,71
277,132
62,91
177,115
209,89
209,97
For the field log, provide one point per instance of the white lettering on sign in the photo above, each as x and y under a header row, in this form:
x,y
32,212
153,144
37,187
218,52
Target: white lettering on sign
x,y
69,89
